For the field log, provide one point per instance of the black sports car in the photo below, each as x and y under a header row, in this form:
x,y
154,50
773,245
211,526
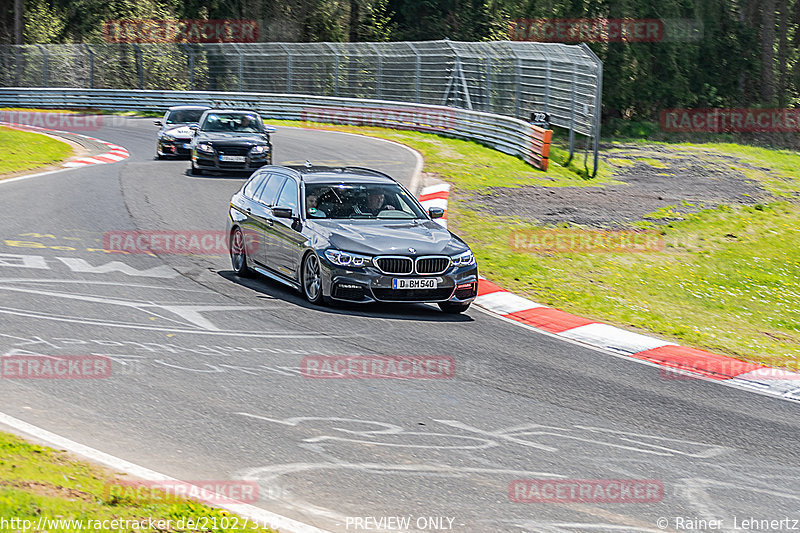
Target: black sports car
x,y
174,135
349,234
230,140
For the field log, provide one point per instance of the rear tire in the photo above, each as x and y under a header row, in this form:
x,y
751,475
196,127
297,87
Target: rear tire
x,y
238,249
453,308
311,279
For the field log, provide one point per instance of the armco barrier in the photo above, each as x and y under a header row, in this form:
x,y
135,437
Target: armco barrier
x,y
506,134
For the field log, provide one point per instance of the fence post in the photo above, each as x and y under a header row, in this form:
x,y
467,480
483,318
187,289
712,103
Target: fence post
x,y
91,65
288,67
547,86
379,76
572,115
190,60
488,107
139,66
44,64
518,95
598,104
417,72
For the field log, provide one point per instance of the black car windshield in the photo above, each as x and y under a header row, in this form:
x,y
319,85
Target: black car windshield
x,y
360,201
235,122
184,116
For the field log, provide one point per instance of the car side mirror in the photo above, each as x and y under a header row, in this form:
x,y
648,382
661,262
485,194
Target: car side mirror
x,y
194,127
283,212
436,212
158,123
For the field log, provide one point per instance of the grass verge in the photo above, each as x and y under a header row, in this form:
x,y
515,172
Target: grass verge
x,y
22,150
37,482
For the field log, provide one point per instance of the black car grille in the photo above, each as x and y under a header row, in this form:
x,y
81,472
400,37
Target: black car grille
x,y
432,265
413,295
395,265
232,150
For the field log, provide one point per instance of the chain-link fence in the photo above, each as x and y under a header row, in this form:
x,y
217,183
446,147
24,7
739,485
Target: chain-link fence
x,y
506,78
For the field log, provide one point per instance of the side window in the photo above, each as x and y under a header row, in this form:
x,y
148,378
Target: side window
x,y
269,192
252,186
288,197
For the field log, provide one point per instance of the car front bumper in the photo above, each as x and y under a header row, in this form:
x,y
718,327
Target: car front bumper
x,y
457,285
212,162
178,147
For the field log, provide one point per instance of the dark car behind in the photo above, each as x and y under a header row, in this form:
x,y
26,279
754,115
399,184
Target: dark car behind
x,y
174,134
230,141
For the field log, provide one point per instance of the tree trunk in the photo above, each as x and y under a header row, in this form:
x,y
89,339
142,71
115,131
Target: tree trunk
x,y
768,52
19,10
783,47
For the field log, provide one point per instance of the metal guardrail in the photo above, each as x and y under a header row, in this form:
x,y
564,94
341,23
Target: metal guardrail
x,y
506,134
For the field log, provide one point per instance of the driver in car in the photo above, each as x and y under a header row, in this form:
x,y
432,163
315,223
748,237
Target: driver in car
x,y
376,202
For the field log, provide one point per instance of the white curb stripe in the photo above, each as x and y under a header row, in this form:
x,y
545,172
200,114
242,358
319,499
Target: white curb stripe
x,y
444,187
614,339
436,202
266,518
505,303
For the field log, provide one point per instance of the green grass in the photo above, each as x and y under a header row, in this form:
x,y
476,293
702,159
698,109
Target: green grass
x,y
725,281
21,150
728,280
36,481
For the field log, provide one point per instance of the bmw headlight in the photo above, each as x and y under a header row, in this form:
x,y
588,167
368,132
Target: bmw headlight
x,y
205,147
463,259
347,259
258,149
167,137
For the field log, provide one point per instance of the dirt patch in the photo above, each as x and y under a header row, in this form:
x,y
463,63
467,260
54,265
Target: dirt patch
x,y
653,177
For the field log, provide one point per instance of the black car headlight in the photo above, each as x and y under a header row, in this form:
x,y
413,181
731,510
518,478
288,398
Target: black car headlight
x,y
347,259
259,149
205,147
463,259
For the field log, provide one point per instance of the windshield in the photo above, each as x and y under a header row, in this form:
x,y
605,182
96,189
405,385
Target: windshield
x,y
236,122
360,201
184,116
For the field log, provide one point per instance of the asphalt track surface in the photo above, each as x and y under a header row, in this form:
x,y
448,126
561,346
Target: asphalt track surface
x,y
206,384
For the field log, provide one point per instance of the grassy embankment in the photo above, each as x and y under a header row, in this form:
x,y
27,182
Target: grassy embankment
x,y
37,482
22,151
727,281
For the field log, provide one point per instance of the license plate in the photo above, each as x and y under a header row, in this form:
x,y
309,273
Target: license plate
x,y
233,158
405,283
187,146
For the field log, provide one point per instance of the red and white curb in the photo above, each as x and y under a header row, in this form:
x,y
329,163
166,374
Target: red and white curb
x,y
436,196
115,152
678,362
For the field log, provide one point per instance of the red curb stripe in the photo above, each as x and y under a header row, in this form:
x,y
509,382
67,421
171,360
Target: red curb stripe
x,y
441,195
105,159
706,363
487,287
549,319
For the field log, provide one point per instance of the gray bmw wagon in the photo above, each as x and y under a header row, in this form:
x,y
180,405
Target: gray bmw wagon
x,y
347,234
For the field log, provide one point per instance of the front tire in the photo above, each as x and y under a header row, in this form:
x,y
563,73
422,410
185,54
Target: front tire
x,y
195,171
452,307
311,279
238,249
